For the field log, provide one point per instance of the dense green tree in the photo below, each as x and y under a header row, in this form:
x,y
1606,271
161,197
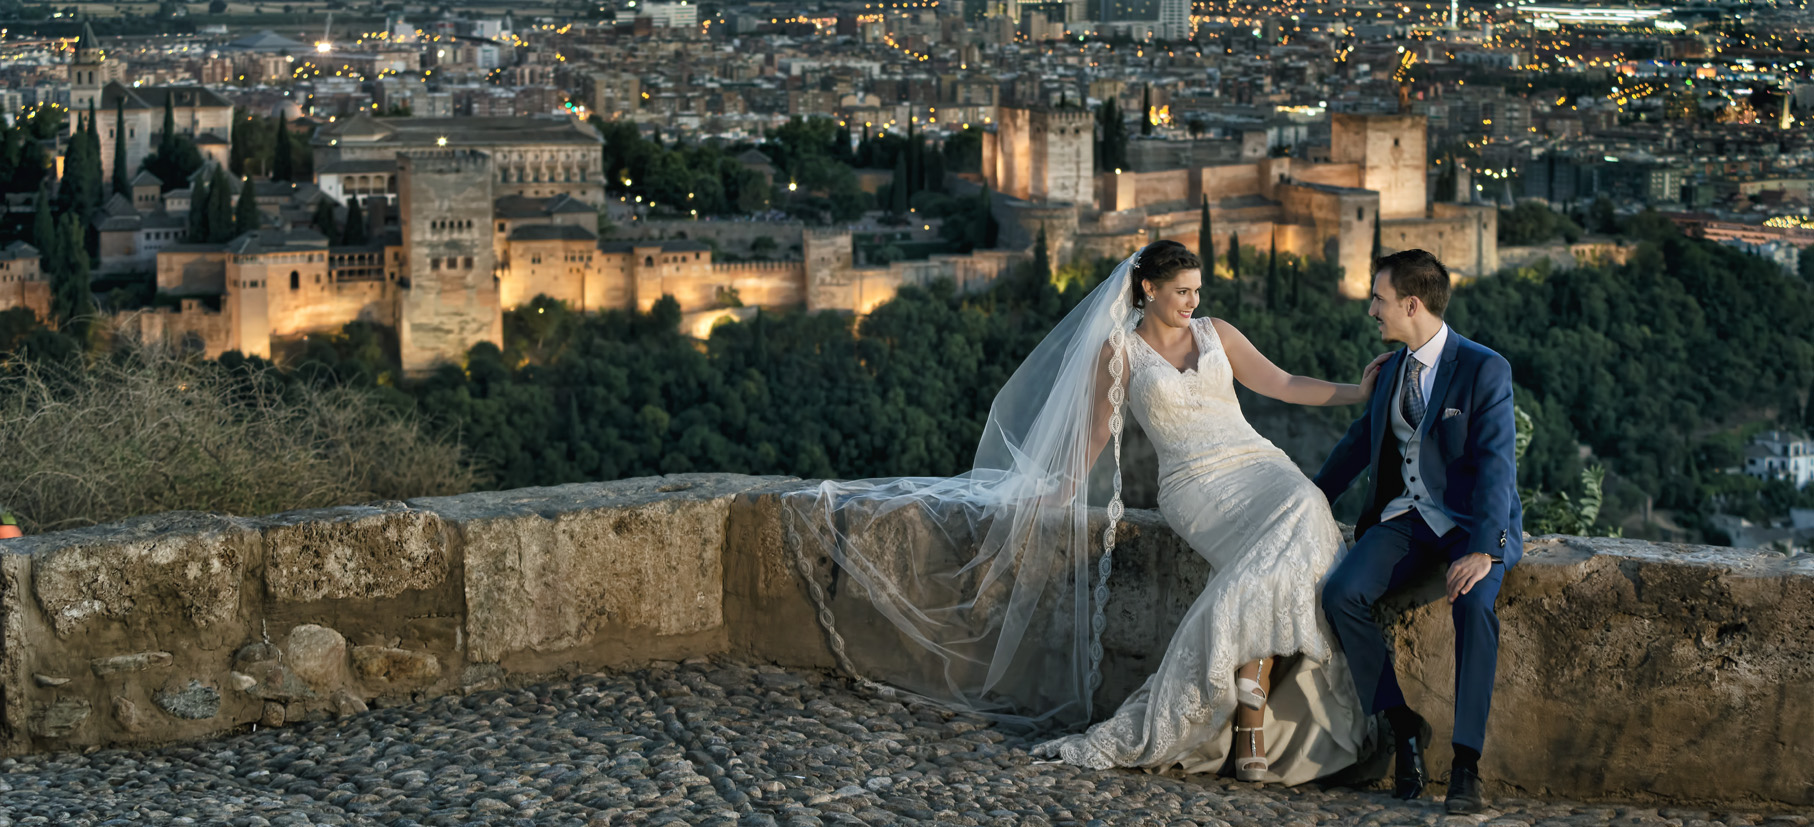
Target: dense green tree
x,y
246,217
44,224
1042,258
1111,136
177,159
1206,241
80,190
1534,223
122,175
323,219
963,151
220,207
1146,109
198,214
1275,289
898,189
72,301
355,233
1234,255
1601,215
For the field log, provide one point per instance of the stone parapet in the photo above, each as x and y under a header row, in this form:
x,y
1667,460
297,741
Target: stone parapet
x,y
1628,669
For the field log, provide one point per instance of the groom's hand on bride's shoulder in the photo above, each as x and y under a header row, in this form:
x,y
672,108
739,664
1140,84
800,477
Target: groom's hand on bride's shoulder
x,y
1465,572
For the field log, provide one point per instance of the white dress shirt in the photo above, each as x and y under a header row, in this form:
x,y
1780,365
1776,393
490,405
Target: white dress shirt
x,y
1417,493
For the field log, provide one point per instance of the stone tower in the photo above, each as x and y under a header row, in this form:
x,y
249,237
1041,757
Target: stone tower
x,y
450,302
89,72
1064,162
1043,155
1392,153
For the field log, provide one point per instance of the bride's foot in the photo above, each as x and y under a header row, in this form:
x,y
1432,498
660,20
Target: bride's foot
x,y
1251,763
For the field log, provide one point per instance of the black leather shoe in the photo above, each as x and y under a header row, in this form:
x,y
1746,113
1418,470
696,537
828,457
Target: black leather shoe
x,y
1464,792
1408,774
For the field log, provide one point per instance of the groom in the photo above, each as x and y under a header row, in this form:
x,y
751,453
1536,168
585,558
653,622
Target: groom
x,y
1436,439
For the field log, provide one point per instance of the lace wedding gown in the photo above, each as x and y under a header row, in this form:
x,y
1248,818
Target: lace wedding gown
x,y
1269,538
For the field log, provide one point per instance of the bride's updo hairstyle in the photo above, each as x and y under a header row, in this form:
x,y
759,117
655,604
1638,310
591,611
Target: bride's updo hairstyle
x,y
1160,262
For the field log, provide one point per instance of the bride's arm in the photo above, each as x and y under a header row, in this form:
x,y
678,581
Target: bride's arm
x,y
1259,374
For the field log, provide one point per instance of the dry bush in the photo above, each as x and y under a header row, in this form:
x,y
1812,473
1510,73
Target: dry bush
x,y
144,432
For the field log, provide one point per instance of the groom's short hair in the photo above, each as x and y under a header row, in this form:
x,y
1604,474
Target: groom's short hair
x,y
1417,273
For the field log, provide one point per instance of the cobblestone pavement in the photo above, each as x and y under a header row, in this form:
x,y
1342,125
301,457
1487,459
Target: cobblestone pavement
x,y
699,743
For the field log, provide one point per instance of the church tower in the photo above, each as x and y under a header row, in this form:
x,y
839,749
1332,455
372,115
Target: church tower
x,y
89,73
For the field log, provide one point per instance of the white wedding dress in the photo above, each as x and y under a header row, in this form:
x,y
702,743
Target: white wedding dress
x,y
1268,535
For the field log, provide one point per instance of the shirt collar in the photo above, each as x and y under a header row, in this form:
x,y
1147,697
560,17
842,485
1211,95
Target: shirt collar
x,y
1432,350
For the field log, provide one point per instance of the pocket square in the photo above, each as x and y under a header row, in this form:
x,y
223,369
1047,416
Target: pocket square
x,y
1448,412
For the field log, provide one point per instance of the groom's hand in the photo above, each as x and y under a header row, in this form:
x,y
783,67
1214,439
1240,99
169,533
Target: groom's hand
x,y
1467,571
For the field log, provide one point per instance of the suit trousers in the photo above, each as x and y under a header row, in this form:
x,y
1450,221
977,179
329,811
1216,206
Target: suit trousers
x,y
1386,557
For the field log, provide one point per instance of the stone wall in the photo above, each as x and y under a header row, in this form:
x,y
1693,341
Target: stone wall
x,y
1628,670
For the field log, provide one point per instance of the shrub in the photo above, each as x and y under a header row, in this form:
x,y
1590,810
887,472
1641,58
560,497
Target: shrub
x,y
142,431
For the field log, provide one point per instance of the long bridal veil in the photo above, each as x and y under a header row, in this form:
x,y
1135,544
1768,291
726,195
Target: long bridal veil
x,y
985,591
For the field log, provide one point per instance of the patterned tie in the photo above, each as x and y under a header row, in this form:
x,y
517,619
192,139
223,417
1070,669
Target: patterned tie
x,y
1413,395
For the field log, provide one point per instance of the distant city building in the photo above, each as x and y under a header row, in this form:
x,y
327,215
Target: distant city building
x,y
1777,455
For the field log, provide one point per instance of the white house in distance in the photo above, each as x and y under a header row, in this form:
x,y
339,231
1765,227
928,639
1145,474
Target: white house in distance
x,y
1776,455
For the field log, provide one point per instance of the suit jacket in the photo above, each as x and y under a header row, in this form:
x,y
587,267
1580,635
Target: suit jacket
x,y
1466,458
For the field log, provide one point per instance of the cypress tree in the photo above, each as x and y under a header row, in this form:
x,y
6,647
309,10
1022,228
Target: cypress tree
x,y
245,213
9,153
44,226
1042,260
71,299
355,223
220,207
911,150
1377,251
93,187
1807,413
282,169
1206,239
1234,256
323,219
897,188
198,213
166,142
1146,109
1297,285
935,171
1274,289
122,177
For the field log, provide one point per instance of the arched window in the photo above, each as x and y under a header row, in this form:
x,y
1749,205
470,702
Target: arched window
x,y
295,280
648,261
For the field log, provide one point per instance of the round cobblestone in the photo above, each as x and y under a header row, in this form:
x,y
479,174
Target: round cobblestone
x,y
700,743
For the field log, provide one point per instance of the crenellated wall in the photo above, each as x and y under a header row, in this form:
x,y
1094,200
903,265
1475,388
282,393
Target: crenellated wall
x,y
1628,669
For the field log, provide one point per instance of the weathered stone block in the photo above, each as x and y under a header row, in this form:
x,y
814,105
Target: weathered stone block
x,y
353,552
180,567
128,715
136,662
624,563
1629,668
388,666
61,717
196,701
317,655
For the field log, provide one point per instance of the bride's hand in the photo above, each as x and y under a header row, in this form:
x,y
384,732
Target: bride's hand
x,y
1370,375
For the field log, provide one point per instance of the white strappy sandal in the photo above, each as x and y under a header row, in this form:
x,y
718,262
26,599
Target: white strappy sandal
x,y
1254,767
1248,692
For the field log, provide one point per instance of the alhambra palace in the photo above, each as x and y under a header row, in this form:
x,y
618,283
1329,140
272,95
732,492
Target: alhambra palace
x,y
470,217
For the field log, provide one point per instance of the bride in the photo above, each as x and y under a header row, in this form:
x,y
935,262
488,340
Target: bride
x,y
982,582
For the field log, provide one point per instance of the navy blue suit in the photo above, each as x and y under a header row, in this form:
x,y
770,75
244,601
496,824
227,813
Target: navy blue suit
x,y
1469,468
